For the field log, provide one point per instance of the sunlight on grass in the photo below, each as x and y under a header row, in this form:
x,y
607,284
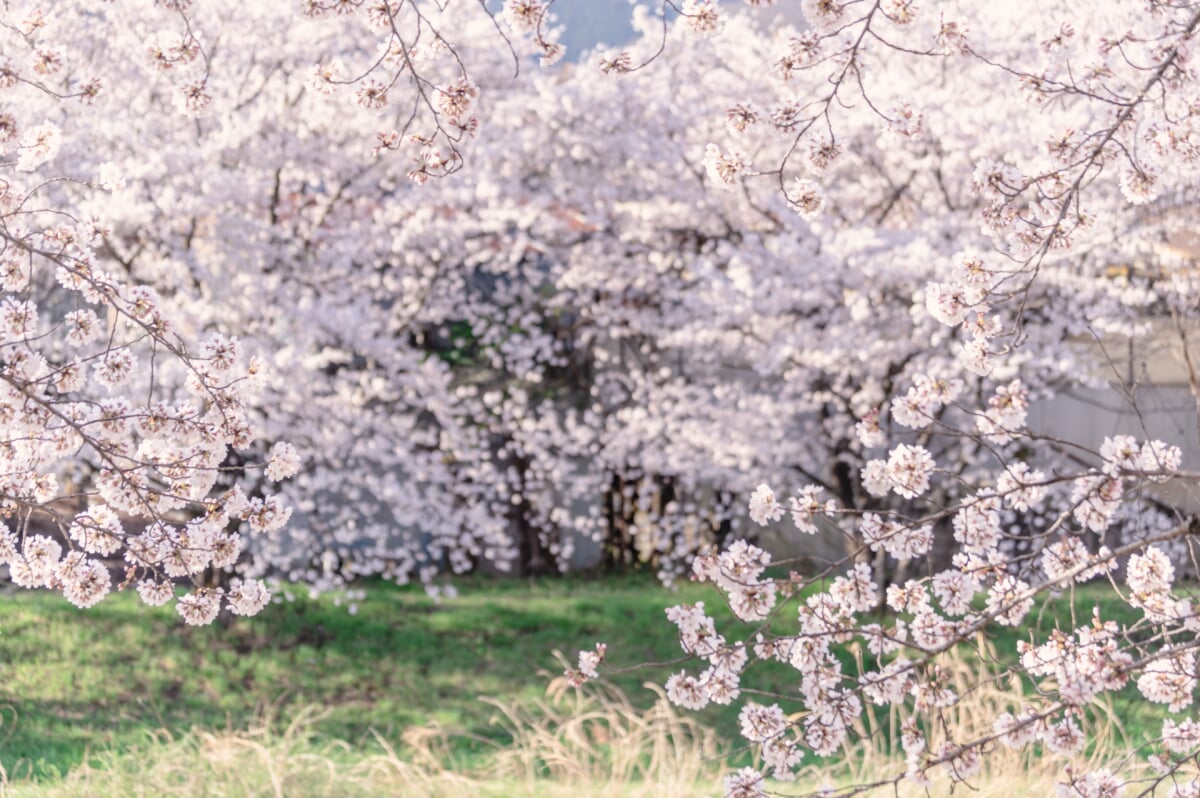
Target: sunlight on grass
x,y
85,693
566,746
569,744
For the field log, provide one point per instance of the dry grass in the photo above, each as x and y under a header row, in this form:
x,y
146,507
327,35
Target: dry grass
x,y
569,745
604,742
984,694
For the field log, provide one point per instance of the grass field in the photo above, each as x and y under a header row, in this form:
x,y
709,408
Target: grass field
x,y
83,687
78,681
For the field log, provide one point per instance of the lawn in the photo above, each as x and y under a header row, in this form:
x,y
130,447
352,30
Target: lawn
x,y
79,685
78,681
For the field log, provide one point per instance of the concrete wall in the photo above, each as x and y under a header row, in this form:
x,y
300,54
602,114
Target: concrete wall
x,y
1149,396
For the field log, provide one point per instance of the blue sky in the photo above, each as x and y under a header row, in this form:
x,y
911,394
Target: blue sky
x,y
592,22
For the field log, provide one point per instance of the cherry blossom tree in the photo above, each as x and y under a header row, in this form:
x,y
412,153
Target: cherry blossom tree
x,y
118,429
310,248
479,306
1021,213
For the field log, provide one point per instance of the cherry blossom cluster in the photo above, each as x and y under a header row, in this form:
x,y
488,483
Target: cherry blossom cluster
x,y
932,615
421,66
955,513
118,429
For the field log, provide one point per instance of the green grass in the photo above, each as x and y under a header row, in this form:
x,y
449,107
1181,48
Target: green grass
x,y
77,682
